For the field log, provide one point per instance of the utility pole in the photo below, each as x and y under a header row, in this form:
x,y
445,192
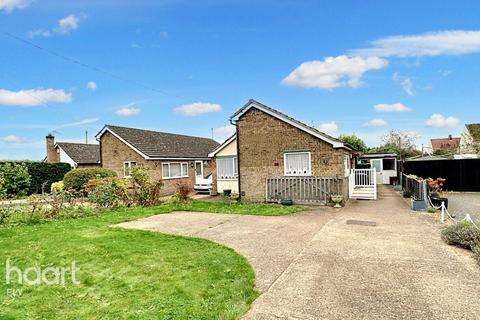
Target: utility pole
x,y
212,134
86,137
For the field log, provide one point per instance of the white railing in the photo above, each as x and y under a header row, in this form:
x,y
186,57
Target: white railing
x,y
363,184
303,189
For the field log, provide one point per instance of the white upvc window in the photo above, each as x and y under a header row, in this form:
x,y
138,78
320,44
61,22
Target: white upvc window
x,y
127,168
173,170
227,168
297,163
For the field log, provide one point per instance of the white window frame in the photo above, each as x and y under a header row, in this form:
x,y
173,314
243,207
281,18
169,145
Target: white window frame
x,y
309,173
130,165
234,160
182,174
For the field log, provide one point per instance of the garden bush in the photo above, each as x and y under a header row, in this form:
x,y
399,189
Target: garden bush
x,y
44,174
77,179
183,191
57,186
476,251
15,179
146,192
107,192
462,234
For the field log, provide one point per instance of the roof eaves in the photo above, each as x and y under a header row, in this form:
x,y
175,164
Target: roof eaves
x,y
279,115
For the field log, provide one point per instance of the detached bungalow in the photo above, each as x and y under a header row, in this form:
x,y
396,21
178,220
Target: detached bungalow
x,y
171,157
78,155
273,157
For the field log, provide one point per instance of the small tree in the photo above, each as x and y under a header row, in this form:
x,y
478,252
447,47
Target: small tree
x,y
354,141
401,143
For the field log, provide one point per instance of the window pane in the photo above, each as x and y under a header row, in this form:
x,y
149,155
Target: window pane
x,y
175,170
297,164
388,164
225,168
235,167
165,171
126,170
184,169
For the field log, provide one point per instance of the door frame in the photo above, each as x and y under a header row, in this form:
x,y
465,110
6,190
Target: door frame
x,y
201,168
379,173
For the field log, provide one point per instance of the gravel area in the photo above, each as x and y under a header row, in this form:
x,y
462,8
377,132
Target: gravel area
x,y
462,203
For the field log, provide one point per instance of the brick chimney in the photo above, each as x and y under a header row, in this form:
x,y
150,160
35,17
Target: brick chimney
x,y
450,137
52,155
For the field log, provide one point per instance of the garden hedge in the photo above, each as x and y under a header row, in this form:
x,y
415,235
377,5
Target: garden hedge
x,y
462,234
76,179
42,174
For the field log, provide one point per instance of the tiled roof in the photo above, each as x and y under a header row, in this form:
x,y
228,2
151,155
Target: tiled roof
x,y
81,153
156,144
445,143
282,115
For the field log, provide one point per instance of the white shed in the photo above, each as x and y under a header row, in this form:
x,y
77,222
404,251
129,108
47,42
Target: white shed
x,y
384,163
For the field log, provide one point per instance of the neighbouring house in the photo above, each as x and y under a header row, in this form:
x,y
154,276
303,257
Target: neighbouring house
x,y
470,142
174,158
385,164
226,176
446,145
78,155
278,157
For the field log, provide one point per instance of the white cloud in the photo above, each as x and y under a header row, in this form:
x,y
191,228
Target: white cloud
x,y
407,86
439,121
333,72
405,82
393,107
197,108
227,130
67,24
92,86
33,97
10,5
328,127
454,42
64,26
77,124
128,111
13,139
376,122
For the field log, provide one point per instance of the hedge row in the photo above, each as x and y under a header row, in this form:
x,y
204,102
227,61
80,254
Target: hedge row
x,y
42,174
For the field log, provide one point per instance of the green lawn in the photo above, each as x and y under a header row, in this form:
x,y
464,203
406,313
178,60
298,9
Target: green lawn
x,y
128,274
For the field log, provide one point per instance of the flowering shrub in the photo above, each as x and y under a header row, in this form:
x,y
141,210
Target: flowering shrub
x,y
183,191
146,192
107,192
57,187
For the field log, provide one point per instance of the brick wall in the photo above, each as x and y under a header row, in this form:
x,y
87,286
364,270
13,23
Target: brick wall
x,y
114,152
263,140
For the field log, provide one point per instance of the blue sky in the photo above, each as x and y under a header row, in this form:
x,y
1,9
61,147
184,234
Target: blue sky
x,y
362,67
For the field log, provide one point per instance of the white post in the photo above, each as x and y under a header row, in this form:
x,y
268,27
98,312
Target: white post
x,y
375,182
443,212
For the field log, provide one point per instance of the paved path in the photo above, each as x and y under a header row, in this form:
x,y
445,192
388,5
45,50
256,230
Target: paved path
x,y
316,266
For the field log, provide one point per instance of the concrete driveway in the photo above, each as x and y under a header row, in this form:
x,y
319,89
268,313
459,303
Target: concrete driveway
x,y
315,265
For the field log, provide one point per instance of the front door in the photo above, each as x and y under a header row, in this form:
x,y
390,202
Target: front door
x,y
198,171
377,164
